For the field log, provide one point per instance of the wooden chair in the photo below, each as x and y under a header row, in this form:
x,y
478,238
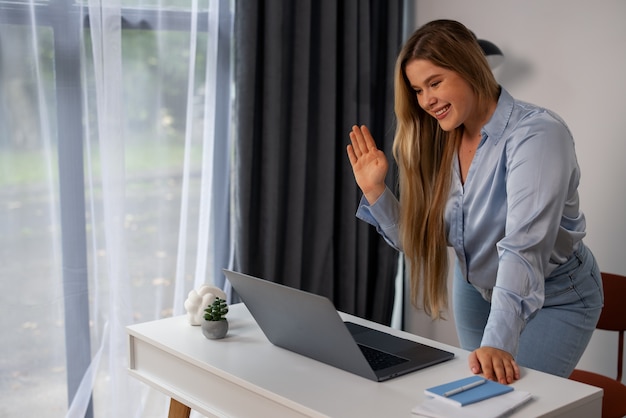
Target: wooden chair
x,y
612,318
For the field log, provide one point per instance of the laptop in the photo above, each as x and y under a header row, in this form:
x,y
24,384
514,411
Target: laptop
x,y
309,324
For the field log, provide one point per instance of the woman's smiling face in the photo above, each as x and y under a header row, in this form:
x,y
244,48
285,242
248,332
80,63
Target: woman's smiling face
x,y
442,93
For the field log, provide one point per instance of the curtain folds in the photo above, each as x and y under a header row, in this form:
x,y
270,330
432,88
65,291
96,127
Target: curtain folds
x,y
115,158
306,72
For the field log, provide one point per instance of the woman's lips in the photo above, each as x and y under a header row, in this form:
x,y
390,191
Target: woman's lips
x,y
441,113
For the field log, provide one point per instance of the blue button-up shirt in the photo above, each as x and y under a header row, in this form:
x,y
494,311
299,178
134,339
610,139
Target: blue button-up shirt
x,y
514,220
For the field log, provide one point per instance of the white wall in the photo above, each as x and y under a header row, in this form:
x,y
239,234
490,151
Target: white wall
x,y
569,56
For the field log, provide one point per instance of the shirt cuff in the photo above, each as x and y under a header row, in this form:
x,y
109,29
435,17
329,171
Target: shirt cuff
x,y
383,213
503,331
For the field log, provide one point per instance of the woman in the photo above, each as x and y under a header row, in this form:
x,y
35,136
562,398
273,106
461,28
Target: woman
x,y
496,179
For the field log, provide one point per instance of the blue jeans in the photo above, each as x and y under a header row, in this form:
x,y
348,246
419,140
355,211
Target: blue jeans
x,y
554,338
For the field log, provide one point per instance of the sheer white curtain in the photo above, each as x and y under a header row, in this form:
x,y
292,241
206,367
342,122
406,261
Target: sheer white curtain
x,y
114,190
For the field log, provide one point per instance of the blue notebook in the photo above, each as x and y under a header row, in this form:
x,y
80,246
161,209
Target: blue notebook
x,y
468,390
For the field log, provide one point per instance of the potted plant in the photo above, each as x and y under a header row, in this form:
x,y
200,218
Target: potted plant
x,y
215,325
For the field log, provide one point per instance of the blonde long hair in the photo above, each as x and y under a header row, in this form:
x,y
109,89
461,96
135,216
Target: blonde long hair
x,y
424,154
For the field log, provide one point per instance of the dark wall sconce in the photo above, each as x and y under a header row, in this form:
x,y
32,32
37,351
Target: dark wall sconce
x,y
492,52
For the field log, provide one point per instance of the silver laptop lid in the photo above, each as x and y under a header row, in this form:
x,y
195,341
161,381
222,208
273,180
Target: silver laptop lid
x,y
301,322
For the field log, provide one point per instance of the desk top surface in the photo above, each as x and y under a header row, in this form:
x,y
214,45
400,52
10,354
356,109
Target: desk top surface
x,y
247,359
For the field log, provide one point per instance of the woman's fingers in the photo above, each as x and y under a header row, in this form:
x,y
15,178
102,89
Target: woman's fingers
x,y
351,155
494,364
356,138
362,140
368,139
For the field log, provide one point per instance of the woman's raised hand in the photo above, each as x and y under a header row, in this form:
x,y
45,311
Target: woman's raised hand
x,y
369,164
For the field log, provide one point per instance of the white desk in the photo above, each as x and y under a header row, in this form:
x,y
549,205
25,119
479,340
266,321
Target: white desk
x,y
244,375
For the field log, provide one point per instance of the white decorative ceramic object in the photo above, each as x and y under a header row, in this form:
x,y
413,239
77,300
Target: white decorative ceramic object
x,y
198,300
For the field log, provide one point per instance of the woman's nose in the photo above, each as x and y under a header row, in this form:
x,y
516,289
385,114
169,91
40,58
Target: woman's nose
x,y
430,99
427,100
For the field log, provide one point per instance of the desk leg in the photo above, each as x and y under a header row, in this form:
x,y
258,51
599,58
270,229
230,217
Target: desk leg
x,y
178,410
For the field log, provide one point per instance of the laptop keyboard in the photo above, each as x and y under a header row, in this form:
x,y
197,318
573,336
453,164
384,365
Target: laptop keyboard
x,y
379,359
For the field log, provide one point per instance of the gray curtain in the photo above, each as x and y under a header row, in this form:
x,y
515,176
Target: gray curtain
x,y
305,72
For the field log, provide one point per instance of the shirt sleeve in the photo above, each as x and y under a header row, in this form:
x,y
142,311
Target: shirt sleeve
x,y
541,173
383,215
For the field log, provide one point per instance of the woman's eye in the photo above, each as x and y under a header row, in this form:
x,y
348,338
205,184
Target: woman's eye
x,y
435,84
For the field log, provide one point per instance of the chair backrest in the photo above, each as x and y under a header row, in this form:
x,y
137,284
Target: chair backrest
x,y
613,316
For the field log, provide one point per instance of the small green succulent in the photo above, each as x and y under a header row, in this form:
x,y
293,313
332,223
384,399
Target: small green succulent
x,y
216,311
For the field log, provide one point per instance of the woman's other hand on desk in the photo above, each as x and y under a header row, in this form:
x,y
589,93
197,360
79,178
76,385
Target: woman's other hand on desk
x,y
369,164
494,364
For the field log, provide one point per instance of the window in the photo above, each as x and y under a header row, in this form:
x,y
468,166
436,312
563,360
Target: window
x,y
107,127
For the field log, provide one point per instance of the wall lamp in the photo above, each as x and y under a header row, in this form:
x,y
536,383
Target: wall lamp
x,y
492,53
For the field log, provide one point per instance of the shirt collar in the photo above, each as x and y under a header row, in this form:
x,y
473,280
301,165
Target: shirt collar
x,y
500,118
